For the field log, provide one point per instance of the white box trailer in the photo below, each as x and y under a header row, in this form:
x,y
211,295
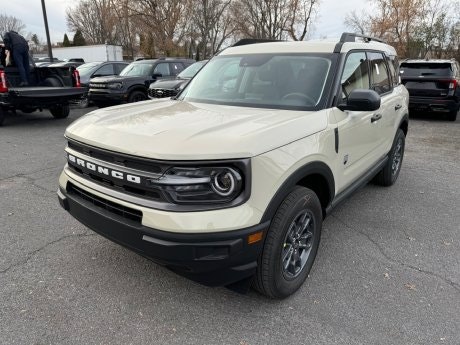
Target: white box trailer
x,y
98,52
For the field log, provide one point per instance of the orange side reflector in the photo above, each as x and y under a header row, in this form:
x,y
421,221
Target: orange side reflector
x,y
253,238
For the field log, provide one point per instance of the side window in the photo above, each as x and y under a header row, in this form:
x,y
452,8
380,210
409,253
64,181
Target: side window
x,y
176,68
105,70
380,79
355,73
118,67
162,68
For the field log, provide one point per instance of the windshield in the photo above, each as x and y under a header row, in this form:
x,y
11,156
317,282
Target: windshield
x,y
87,67
426,69
262,80
138,69
191,70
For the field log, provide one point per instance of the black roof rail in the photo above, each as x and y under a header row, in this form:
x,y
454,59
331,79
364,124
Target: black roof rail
x,y
246,41
351,37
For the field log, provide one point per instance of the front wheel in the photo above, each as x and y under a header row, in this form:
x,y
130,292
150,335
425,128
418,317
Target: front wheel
x,y
60,112
291,245
136,96
390,172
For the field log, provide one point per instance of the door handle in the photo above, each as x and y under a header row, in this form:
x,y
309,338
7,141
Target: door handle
x,y
398,106
376,117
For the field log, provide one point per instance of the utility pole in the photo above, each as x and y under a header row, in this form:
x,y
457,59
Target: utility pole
x,y
50,51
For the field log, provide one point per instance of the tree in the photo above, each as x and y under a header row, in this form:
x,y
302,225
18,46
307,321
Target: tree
x,y
300,18
358,22
163,24
211,26
95,19
8,23
266,19
415,27
78,39
65,41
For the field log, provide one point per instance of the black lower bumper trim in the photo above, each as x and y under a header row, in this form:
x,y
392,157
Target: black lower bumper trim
x,y
213,259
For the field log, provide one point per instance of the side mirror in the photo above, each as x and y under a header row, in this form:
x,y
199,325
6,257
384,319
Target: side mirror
x,y
361,100
157,75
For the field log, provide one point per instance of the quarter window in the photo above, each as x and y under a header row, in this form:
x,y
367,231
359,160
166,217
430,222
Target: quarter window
x,y
355,73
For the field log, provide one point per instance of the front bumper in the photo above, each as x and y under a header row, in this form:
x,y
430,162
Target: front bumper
x,y
213,259
433,104
107,96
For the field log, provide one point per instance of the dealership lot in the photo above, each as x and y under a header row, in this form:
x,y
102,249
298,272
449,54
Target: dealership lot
x,y
387,272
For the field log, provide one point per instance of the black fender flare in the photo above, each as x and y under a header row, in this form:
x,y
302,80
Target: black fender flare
x,y
312,168
404,123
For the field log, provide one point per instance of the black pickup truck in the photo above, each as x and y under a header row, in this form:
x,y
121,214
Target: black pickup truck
x,y
50,88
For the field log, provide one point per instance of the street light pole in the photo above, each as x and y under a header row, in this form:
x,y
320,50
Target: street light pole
x,y
50,51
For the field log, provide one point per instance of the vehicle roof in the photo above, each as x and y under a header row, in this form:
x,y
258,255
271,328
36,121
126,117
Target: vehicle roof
x,y
162,59
313,46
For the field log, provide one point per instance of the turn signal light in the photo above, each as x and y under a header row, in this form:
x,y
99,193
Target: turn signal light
x,y
253,238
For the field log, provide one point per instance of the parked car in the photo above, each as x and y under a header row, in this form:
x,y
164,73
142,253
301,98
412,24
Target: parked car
x,y
133,82
170,88
433,85
228,183
97,69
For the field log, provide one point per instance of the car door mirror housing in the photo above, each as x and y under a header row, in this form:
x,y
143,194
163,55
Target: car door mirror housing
x,y
156,75
361,100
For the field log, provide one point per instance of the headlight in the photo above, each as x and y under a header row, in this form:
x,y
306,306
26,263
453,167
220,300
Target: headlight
x,y
202,185
115,86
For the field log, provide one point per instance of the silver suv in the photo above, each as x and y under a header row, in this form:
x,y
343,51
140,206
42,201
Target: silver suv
x,y
228,183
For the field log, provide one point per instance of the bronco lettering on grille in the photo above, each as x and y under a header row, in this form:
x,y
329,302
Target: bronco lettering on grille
x,y
103,170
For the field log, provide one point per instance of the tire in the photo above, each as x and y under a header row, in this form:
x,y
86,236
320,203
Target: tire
x,y
83,103
452,116
2,116
60,112
136,96
294,236
390,172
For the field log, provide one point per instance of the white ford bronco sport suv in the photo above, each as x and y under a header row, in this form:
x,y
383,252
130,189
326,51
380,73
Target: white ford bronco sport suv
x,y
228,182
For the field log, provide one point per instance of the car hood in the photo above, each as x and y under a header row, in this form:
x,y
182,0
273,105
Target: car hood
x,y
117,78
168,84
177,130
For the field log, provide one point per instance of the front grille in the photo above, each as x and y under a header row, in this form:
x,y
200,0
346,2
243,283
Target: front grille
x,y
137,163
98,86
162,93
120,210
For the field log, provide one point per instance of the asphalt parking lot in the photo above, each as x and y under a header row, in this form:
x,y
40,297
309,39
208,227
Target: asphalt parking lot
x,y
387,272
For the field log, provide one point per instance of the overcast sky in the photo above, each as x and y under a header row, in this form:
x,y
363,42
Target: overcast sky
x,y
329,22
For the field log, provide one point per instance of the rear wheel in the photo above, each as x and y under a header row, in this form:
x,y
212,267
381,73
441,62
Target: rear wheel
x,y
60,112
291,245
390,172
136,96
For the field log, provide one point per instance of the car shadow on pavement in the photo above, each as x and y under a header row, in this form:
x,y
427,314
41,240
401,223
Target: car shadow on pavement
x,y
429,116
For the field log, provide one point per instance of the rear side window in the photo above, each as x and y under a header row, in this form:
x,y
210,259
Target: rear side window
x,y
380,79
426,69
105,70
